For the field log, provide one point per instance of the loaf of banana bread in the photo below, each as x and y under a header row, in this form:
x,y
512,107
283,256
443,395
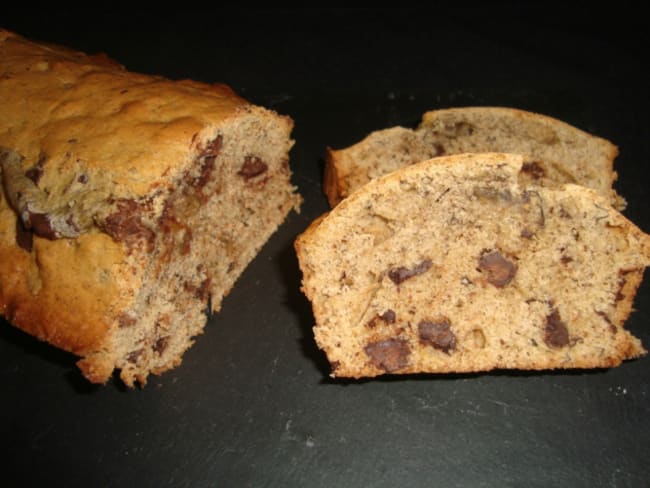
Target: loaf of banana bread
x,y
129,204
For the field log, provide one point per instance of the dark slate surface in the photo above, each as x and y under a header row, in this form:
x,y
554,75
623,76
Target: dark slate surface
x,y
252,404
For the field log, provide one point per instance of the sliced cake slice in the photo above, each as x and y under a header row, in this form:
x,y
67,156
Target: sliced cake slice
x,y
461,264
555,152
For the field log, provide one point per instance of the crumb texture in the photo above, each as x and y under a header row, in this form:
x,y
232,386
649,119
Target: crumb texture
x,y
462,264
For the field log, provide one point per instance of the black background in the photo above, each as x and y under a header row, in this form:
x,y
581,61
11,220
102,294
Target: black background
x,y
252,404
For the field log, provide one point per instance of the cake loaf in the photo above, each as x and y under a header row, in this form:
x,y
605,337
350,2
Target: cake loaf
x,y
129,204
555,151
461,264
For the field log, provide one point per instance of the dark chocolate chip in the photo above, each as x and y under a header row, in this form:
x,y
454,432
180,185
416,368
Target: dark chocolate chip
x,y
437,334
34,173
565,259
82,178
388,316
500,270
389,355
133,356
252,167
556,333
40,224
334,365
161,344
125,223
400,274
213,148
207,158
24,237
534,169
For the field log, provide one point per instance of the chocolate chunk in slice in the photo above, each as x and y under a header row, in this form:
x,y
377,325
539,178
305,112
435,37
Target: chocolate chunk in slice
x,y
500,270
556,333
388,316
207,160
400,274
161,344
389,355
437,334
533,169
252,167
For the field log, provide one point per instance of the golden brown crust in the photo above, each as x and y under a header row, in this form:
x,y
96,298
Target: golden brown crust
x,y
82,111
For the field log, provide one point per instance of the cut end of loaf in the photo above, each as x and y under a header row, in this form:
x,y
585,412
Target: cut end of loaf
x,y
193,240
459,264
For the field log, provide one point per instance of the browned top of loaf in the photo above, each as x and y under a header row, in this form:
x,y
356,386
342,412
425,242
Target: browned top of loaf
x,y
65,109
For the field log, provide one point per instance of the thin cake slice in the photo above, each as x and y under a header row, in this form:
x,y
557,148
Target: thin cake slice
x,y
458,264
556,152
